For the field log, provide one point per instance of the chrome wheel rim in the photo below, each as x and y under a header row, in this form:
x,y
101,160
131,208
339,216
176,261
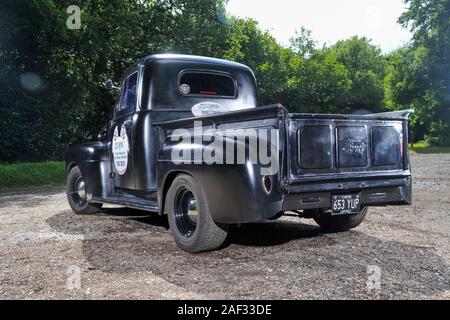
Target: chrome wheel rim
x,y
79,192
186,212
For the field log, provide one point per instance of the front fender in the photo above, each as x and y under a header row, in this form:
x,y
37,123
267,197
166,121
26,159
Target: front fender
x,y
94,163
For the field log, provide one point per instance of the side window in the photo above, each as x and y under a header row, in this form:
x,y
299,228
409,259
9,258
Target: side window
x,y
128,95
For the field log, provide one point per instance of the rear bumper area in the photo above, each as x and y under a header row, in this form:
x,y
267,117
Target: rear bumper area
x,y
373,193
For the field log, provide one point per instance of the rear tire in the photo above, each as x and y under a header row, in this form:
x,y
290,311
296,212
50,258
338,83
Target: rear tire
x,y
76,194
189,217
340,223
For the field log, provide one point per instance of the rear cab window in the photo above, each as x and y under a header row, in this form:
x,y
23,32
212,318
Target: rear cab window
x,y
211,84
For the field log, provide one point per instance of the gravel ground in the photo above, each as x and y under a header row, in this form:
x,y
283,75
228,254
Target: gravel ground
x,y
123,253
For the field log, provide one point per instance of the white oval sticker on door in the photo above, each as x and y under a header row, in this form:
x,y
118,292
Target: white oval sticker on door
x,y
208,108
120,149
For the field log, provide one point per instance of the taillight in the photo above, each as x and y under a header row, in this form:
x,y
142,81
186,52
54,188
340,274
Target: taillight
x,y
267,183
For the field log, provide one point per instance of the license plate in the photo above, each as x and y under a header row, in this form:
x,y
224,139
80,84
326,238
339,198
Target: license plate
x,y
345,204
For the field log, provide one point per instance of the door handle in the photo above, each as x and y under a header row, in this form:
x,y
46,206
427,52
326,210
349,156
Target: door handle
x,y
128,124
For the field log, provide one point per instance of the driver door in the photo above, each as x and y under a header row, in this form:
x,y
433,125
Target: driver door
x,y
121,134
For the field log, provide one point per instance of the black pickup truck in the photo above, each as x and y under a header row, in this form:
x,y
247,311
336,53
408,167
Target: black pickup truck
x,y
187,139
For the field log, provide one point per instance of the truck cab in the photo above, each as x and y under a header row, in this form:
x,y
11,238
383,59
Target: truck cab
x,y
188,139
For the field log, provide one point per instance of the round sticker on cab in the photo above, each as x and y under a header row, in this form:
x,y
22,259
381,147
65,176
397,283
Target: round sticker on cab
x,y
208,108
185,89
120,149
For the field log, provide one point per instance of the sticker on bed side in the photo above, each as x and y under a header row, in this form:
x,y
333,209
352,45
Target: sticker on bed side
x,y
120,149
208,108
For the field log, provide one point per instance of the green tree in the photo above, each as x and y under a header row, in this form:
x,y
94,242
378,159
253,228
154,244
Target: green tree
x,y
302,43
430,51
30,101
246,43
318,84
406,77
365,65
52,76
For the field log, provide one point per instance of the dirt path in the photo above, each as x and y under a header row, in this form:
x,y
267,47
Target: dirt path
x,y
121,253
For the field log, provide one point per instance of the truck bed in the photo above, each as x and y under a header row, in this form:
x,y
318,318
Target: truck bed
x,y
323,155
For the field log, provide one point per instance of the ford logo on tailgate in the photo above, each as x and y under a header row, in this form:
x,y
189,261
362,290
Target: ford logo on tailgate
x,y
351,147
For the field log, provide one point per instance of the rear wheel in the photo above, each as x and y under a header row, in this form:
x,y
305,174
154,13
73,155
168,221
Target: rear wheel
x,y
340,222
76,194
189,218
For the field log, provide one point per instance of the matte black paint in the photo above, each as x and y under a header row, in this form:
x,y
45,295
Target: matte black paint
x,y
314,164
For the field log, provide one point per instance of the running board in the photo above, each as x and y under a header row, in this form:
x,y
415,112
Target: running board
x,y
135,203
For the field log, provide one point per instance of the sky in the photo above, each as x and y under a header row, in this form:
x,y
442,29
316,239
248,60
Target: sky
x,y
329,20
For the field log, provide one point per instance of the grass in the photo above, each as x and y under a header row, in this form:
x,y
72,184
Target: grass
x,y
425,148
14,176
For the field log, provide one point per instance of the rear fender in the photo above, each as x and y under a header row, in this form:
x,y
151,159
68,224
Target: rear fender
x,y
234,192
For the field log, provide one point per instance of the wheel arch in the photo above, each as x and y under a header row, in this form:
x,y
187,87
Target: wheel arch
x,y
70,166
167,183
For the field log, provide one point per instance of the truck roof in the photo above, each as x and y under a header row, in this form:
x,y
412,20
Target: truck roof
x,y
191,58
162,91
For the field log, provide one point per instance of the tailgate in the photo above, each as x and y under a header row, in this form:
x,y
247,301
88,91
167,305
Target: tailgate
x,y
339,147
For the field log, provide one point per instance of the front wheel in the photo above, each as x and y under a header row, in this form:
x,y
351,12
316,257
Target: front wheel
x,y
189,218
76,194
341,222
